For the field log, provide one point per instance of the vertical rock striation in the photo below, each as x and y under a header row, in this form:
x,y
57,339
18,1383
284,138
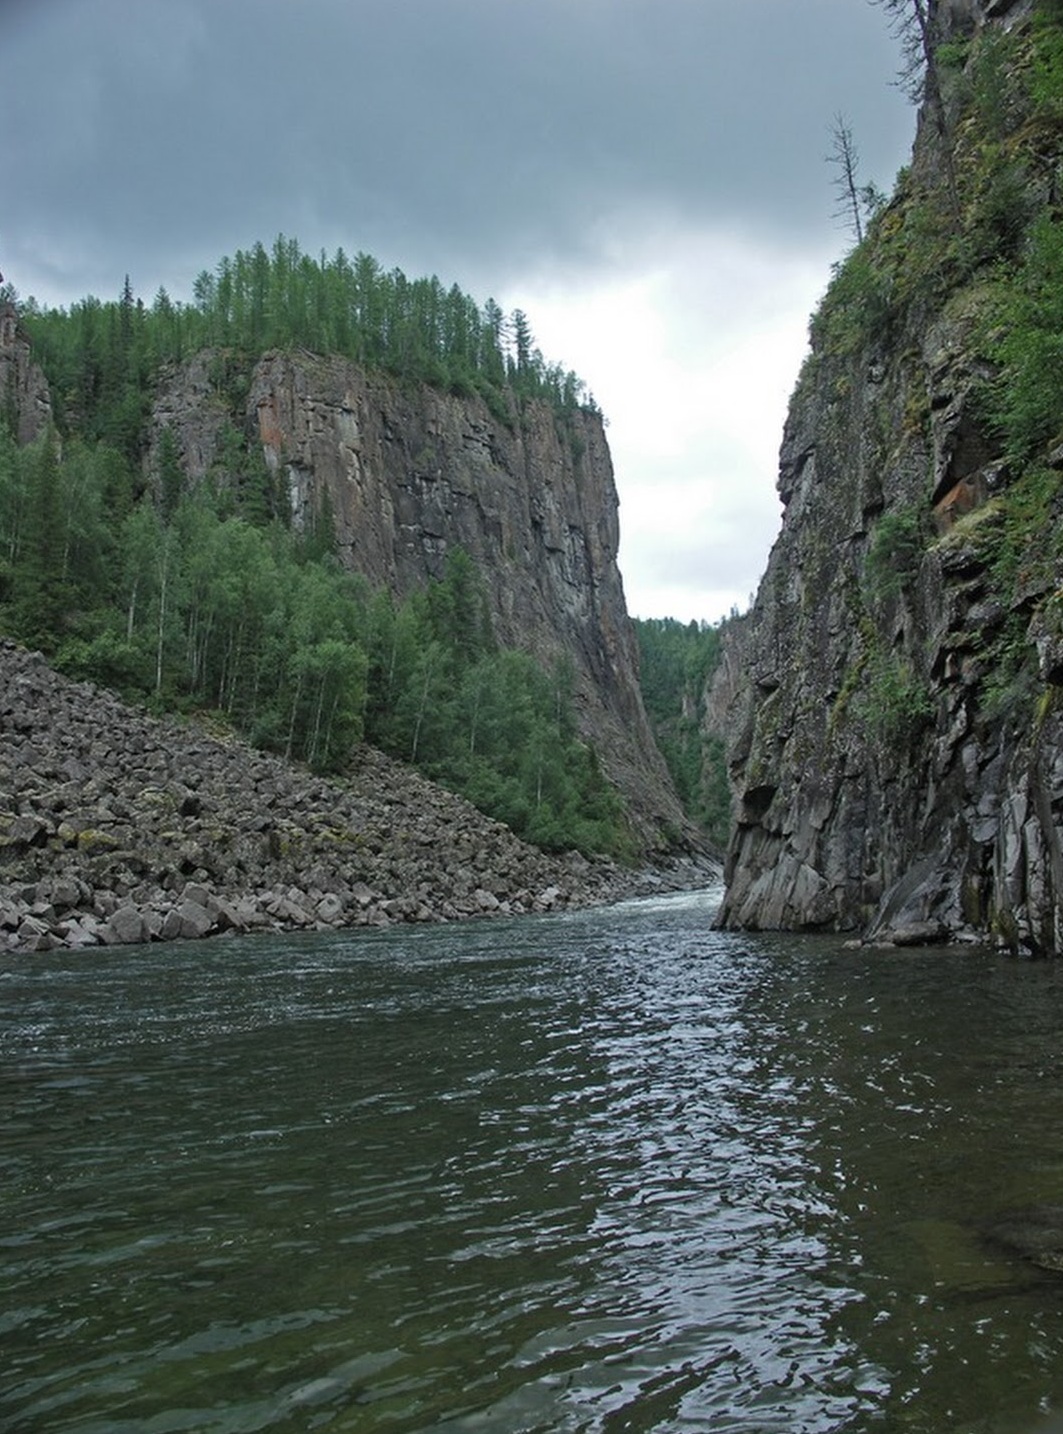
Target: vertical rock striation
x,y
23,387
409,472
898,747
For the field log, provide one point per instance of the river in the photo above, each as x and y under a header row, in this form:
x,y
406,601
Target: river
x,y
606,1171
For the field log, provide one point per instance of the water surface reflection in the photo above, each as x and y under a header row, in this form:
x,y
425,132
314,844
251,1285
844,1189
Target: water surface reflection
x,y
613,1171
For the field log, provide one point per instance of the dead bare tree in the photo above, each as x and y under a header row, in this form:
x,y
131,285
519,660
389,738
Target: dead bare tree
x,y
846,162
914,26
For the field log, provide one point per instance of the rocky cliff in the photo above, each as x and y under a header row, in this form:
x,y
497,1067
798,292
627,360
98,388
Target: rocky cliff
x,y
408,472
898,762
23,388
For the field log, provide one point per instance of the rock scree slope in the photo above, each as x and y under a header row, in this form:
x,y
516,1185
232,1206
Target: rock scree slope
x,y
117,827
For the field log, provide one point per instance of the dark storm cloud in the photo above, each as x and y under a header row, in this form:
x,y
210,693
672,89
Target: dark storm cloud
x,y
473,138
645,177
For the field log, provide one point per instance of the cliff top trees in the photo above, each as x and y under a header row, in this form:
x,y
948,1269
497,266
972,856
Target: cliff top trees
x,y
99,357
197,595
916,26
912,25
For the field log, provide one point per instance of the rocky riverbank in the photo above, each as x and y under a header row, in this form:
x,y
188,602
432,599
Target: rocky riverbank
x,y
116,828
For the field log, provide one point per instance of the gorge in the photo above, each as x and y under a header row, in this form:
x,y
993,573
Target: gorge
x,y
891,702
185,493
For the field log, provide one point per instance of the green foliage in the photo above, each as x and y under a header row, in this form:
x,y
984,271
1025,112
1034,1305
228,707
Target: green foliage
x,y
57,531
457,613
975,226
487,722
856,308
1046,81
169,477
999,213
676,661
1004,91
1009,683
184,601
326,679
505,736
1026,401
204,599
100,357
40,590
897,543
895,705
995,96
13,498
952,55
1026,543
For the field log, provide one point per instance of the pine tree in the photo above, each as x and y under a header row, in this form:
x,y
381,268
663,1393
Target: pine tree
x,y
38,579
169,477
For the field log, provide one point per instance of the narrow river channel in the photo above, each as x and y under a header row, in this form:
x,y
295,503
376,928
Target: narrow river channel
x,y
611,1171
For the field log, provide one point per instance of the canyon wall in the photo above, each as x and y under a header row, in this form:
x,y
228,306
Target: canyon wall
x,y
407,473
23,387
898,738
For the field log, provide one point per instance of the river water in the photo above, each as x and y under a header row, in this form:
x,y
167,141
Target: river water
x,y
610,1171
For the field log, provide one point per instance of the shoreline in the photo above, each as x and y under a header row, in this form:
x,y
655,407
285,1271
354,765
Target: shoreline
x,y
117,828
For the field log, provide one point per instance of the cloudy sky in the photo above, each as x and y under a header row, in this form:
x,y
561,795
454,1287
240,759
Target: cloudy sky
x,y
645,178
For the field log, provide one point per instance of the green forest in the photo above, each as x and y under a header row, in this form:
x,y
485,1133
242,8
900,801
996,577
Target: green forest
x,y
101,356
206,601
676,661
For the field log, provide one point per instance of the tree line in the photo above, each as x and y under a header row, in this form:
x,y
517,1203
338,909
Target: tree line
x,y
100,356
200,603
207,600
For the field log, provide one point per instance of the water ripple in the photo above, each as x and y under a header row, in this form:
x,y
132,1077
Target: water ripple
x,y
606,1172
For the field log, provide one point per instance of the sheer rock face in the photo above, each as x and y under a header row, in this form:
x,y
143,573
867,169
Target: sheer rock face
x,y
23,387
962,14
880,788
410,472
891,778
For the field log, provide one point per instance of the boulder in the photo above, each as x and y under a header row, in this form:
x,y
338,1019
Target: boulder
x,y
125,926
1034,1232
188,921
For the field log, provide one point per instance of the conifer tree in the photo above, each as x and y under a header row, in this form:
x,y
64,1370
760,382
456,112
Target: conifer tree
x,y
915,24
846,161
169,477
40,588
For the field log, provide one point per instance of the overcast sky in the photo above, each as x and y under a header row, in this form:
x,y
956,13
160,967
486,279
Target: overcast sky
x,y
645,178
